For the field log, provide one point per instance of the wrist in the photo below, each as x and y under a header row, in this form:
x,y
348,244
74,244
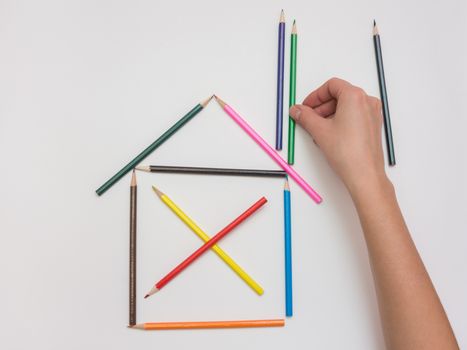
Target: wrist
x,y
371,186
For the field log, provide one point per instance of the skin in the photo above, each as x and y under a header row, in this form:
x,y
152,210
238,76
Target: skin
x,y
345,123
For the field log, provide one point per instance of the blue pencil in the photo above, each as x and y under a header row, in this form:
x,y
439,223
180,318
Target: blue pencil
x,y
280,82
288,251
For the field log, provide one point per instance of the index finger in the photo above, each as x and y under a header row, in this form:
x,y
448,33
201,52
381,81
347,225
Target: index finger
x,y
330,90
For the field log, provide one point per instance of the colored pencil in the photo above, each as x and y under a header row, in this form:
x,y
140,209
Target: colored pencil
x,y
280,82
164,137
201,234
132,275
288,251
269,150
209,324
384,96
206,246
211,171
292,91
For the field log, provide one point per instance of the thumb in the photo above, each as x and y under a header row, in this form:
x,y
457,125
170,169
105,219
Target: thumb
x,y
308,119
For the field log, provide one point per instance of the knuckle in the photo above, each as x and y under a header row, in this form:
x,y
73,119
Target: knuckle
x,y
358,94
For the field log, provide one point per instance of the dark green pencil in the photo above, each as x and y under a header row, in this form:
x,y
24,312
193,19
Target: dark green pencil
x,y
384,96
164,137
292,91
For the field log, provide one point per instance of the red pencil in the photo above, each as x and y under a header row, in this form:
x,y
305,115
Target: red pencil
x,y
206,246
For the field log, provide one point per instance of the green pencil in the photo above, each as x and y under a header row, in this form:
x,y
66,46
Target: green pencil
x,y
164,137
292,90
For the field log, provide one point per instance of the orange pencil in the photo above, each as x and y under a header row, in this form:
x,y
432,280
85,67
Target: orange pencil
x,y
209,324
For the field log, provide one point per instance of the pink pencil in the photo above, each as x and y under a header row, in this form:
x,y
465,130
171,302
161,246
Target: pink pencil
x,y
269,150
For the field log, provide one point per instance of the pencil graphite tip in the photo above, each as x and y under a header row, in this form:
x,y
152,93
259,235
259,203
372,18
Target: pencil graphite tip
x,y
282,18
158,192
151,292
294,27
375,28
205,102
133,178
137,326
221,103
143,168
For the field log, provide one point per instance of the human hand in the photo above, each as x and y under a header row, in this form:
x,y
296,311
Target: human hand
x,y
345,123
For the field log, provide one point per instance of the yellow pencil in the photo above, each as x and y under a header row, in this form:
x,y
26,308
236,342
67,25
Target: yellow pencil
x,y
201,234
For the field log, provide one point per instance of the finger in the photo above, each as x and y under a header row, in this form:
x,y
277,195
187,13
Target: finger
x,y
328,91
308,119
326,109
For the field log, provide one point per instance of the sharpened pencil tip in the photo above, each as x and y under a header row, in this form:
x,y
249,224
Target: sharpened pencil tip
x,y
282,18
205,102
294,27
143,168
158,192
375,28
146,296
133,179
221,103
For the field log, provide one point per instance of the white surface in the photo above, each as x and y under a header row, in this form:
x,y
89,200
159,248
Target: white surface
x,y
86,85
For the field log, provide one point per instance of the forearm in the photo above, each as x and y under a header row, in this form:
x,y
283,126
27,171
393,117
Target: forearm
x,y
411,313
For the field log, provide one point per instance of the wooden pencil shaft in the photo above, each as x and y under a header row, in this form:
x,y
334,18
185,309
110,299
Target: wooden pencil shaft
x,y
214,324
132,275
384,100
292,94
217,171
164,137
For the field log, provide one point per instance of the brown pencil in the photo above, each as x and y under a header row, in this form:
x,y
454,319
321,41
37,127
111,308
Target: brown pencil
x,y
132,295
209,324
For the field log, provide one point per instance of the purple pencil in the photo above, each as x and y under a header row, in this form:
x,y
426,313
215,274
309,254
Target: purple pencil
x,y
280,82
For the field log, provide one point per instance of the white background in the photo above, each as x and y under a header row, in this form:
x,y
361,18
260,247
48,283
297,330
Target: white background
x,y
86,85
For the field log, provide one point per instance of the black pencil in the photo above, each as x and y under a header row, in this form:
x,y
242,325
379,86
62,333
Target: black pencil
x,y
212,171
132,294
384,96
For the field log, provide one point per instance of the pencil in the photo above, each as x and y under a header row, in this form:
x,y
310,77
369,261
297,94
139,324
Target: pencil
x,y
269,150
201,234
206,246
164,137
280,82
288,251
132,294
292,91
384,96
209,324
211,171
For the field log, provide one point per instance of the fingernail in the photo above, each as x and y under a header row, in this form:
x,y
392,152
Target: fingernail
x,y
295,113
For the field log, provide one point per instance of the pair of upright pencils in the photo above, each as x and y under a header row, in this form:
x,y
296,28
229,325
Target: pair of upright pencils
x,y
204,248
280,87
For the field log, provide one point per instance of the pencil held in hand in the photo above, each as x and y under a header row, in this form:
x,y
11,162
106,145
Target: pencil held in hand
x,y
292,92
204,248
